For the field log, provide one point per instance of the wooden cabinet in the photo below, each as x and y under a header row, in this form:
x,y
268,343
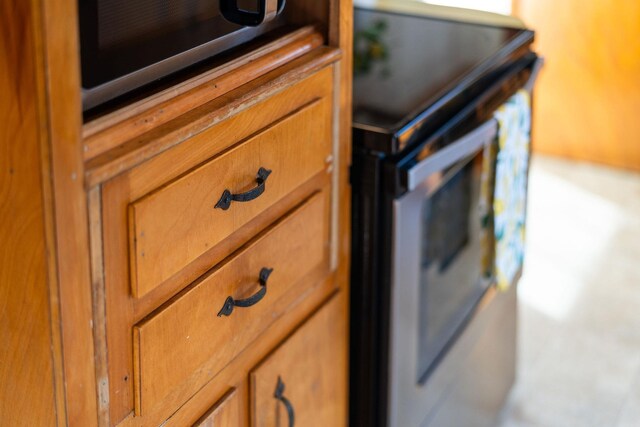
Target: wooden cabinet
x,y
185,344
226,412
177,223
190,248
303,380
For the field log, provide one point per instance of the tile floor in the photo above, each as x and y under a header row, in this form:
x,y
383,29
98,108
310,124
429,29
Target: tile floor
x,y
579,319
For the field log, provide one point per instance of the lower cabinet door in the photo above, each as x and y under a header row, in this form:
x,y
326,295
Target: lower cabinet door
x,y
303,382
225,413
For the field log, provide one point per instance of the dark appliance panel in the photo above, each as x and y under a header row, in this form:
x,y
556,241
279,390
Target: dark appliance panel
x,y
128,43
412,72
399,371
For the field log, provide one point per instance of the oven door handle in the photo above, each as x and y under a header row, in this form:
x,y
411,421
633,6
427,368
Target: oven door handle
x,y
452,153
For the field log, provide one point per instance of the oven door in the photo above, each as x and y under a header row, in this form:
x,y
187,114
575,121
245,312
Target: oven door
x,y
442,265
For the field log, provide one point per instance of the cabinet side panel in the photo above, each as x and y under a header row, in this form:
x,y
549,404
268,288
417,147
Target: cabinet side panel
x,y
64,117
26,365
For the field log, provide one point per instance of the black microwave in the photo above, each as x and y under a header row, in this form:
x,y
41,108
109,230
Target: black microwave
x,y
126,44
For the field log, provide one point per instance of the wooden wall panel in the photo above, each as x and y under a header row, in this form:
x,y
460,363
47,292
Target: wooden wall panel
x,y
47,374
26,365
588,97
70,224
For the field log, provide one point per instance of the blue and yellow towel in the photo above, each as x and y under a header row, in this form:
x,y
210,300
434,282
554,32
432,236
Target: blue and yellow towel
x,y
510,198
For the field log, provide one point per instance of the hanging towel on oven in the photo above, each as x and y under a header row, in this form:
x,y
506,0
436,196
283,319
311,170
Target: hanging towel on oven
x,y
510,197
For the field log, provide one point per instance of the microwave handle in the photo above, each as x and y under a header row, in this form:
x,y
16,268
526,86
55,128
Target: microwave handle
x,y
454,152
267,11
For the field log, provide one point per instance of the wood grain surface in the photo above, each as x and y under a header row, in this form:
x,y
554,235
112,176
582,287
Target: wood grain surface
x,y
224,413
72,255
41,122
185,344
27,391
123,310
176,224
312,367
57,320
341,35
141,148
588,96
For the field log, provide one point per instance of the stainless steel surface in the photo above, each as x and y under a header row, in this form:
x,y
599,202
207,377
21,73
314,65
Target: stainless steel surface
x,y
411,402
271,10
486,368
452,153
114,88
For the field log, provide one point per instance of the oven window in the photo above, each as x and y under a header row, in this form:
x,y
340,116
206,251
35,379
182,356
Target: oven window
x,y
456,221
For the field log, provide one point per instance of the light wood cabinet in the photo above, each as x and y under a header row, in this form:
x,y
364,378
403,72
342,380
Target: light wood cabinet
x,y
303,379
226,412
185,344
179,222
174,258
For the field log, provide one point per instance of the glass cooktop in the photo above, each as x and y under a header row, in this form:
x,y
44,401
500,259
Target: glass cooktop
x,y
405,64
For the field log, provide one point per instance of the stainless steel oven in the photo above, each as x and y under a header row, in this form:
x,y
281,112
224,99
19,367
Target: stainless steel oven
x,y
432,337
441,265
126,44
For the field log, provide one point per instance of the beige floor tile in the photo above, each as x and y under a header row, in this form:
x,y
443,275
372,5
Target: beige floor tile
x,y
630,413
579,318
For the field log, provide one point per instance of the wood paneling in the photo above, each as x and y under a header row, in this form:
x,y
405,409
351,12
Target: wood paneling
x,y
27,392
72,255
341,35
123,310
226,412
588,96
55,359
185,344
135,151
311,369
42,121
175,225
235,374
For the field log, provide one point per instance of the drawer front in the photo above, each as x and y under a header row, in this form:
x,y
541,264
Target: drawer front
x,y
187,342
225,413
305,378
176,224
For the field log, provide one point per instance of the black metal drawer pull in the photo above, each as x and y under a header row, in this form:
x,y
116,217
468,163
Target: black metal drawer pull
x,y
230,303
227,197
279,394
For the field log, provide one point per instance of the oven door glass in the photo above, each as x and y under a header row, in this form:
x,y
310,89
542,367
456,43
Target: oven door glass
x,y
454,272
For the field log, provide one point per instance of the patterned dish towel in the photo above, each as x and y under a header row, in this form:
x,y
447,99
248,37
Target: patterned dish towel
x,y
509,203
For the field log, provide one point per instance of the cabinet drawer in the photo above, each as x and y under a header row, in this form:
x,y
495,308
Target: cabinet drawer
x,y
225,413
174,225
305,378
181,347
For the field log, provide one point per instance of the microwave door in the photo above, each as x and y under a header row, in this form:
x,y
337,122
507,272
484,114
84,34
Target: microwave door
x,y
439,270
128,44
